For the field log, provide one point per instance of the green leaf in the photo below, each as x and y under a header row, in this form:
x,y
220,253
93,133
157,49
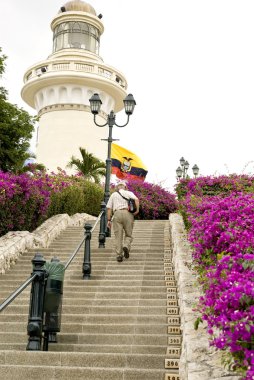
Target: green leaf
x,y
197,322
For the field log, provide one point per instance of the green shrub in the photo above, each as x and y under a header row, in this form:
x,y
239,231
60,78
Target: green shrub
x,y
68,201
79,197
93,196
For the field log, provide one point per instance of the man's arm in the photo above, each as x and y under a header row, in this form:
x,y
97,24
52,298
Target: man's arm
x,y
137,205
109,216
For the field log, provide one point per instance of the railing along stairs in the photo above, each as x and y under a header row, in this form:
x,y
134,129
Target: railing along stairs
x,y
44,319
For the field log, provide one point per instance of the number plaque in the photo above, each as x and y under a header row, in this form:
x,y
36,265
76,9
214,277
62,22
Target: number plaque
x,y
174,330
171,363
172,376
174,340
174,321
173,352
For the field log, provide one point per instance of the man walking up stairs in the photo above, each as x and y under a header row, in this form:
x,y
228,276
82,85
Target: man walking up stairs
x,y
121,324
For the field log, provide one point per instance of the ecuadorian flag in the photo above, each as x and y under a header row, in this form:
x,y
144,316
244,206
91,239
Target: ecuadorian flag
x,y
126,164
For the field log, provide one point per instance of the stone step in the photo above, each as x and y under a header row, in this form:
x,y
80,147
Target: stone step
x,y
80,359
94,318
108,339
142,247
113,326
133,349
89,328
94,309
137,243
60,347
96,276
103,302
22,372
106,255
146,241
140,235
97,280
102,289
92,295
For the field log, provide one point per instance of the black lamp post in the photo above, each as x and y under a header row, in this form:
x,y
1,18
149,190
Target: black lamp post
x,y
95,104
195,170
181,171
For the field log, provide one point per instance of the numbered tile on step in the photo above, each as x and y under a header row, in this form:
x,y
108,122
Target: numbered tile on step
x,y
174,330
175,340
172,303
170,283
169,278
175,321
167,260
173,352
171,296
168,264
172,310
169,272
171,363
169,269
172,289
172,376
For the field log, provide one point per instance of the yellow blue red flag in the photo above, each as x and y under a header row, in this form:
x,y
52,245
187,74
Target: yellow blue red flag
x,y
126,164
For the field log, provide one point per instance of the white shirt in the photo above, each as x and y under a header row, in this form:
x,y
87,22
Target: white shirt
x,y
116,202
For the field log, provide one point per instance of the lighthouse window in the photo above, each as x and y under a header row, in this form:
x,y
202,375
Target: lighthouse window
x,y
76,35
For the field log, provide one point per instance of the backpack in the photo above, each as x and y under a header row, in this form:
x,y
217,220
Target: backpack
x,y
131,203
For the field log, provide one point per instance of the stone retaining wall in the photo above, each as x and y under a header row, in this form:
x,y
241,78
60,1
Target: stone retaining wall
x,y
14,243
198,361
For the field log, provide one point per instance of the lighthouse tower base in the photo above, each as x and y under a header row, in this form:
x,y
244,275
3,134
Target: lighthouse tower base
x,y
58,133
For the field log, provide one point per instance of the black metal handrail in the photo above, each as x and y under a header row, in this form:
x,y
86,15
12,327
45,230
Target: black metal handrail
x,y
81,243
87,267
38,279
17,292
35,319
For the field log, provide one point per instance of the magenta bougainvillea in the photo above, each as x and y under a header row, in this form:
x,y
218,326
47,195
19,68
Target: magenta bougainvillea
x,y
220,216
155,202
25,198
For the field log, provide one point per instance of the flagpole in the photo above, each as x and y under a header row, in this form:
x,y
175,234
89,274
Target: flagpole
x,y
111,122
95,104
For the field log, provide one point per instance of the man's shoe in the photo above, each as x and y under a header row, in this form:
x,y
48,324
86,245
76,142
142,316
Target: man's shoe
x,y
126,252
119,259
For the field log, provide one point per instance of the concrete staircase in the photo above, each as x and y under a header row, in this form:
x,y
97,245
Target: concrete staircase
x,y
122,324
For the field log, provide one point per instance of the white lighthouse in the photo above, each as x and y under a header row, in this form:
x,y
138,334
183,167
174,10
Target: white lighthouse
x,y
60,87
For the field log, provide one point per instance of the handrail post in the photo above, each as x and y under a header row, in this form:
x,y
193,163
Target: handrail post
x,y
87,266
35,320
102,233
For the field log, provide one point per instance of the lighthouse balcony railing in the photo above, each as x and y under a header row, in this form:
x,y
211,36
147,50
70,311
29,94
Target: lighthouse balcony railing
x,y
75,66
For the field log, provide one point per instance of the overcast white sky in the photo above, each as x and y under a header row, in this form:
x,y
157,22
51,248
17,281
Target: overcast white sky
x,y
189,65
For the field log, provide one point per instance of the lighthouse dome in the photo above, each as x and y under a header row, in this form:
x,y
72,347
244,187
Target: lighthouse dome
x,y
77,5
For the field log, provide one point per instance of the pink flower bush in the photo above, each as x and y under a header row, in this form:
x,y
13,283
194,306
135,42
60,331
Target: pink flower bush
x,y
210,186
228,308
219,214
24,199
222,225
155,202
